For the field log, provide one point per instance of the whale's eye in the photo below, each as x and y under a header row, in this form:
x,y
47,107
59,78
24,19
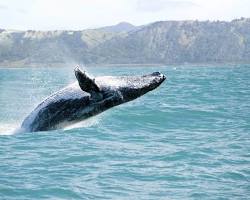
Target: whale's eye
x,y
156,74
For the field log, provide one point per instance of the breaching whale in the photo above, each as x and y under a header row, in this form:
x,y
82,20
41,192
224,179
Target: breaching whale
x,y
87,97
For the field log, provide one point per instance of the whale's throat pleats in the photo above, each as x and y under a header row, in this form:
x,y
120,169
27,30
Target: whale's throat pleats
x,y
85,82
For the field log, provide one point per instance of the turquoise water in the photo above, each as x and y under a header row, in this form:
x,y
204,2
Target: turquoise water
x,y
188,139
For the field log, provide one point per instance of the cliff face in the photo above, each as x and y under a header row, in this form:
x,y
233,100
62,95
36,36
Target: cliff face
x,y
167,42
36,47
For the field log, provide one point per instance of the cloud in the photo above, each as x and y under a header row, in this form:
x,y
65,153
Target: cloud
x,y
3,7
81,14
22,11
160,5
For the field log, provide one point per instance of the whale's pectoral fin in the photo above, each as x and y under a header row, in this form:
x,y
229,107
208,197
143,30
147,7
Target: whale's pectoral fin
x,y
85,82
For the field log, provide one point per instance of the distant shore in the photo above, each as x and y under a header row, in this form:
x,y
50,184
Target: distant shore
x,y
161,43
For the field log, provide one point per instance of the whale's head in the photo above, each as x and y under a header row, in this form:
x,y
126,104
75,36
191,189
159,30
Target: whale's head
x,y
136,86
130,87
127,88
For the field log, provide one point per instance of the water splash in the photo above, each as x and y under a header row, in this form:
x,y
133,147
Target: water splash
x,y
8,128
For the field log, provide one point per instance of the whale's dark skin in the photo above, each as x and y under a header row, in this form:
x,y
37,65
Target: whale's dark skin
x,y
86,98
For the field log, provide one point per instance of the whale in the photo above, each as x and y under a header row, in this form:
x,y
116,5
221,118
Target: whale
x,y
88,97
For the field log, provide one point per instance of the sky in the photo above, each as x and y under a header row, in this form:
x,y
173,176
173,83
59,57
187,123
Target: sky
x,y
83,14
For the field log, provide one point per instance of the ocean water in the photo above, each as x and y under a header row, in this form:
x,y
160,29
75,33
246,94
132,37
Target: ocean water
x,y
188,139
